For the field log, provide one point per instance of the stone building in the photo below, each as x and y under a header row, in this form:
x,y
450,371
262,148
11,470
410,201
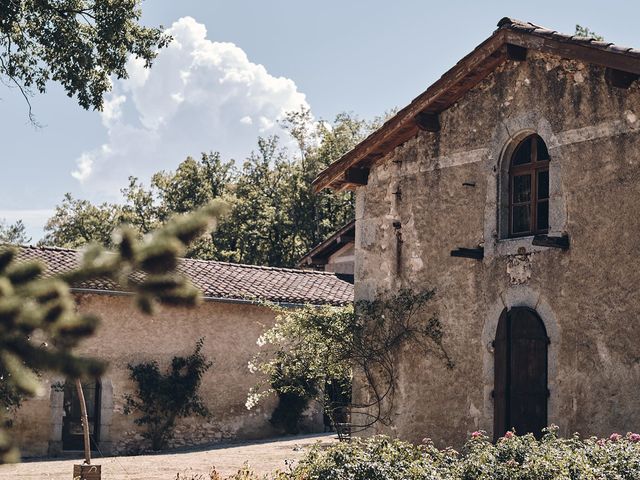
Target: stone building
x,y
230,319
336,254
512,187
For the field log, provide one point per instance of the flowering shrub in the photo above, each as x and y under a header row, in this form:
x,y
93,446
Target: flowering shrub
x,y
377,458
310,354
513,457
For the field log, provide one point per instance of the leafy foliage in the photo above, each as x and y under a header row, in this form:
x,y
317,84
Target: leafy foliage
x,y
587,33
377,458
10,398
80,223
13,233
275,216
295,390
245,473
31,304
161,399
311,347
511,458
298,356
77,43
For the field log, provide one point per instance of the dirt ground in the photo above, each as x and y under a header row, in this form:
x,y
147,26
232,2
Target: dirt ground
x,y
263,457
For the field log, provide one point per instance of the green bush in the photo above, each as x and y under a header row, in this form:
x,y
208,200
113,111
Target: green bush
x,y
511,458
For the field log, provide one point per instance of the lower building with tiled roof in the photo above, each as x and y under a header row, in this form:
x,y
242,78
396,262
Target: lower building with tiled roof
x,y
233,316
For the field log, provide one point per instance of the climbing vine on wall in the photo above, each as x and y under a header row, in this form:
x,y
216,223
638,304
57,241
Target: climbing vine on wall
x,y
310,349
161,399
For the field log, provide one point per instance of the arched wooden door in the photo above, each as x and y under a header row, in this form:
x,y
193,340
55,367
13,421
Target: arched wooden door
x,y
520,392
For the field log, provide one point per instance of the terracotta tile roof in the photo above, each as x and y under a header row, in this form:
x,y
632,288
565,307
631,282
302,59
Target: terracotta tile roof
x,y
537,30
220,280
462,77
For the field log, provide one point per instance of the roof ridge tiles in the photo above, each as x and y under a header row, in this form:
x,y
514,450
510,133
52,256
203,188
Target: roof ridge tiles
x,y
198,260
258,267
216,280
42,247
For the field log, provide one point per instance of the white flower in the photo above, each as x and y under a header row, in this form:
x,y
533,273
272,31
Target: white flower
x,y
253,368
252,400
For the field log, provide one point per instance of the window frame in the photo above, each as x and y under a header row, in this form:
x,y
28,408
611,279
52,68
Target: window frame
x,y
533,168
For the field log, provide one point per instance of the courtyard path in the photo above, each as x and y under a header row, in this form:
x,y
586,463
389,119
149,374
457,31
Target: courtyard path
x,y
262,456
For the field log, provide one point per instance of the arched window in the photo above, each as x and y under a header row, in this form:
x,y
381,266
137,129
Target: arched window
x,y
529,188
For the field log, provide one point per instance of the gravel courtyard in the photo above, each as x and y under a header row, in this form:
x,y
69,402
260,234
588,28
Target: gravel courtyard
x,y
263,457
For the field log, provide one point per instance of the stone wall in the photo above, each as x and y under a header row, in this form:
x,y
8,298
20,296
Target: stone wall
x,y
128,337
452,185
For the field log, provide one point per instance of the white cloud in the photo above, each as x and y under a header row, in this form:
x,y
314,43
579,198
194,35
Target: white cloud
x,y
200,95
112,109
85,167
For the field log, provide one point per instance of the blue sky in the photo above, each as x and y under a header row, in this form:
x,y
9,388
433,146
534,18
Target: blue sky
x,y
254,60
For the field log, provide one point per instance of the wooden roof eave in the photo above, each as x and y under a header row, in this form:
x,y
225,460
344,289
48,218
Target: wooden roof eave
x,y
330,245
402,127
461,78
561,47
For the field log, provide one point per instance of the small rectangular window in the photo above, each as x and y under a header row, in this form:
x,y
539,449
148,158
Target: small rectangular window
x,y
529,188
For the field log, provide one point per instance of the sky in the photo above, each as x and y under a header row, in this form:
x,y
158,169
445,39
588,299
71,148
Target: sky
x,y
231,72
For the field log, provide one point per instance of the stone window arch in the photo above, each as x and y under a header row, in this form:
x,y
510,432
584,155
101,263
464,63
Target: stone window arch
x,y
506,137
526,187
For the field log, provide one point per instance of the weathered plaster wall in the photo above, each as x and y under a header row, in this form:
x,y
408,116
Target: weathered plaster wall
x,y
126,336
587,296
342,261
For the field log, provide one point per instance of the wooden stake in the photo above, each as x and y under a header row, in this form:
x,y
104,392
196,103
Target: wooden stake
x,y
85,423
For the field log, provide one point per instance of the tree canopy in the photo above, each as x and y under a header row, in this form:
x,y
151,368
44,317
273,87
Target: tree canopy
x,y
275,216
587,33
15,233
79,44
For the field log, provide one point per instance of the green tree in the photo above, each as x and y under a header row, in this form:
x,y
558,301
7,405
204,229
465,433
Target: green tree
x,y
76,223
306,349
80,44
311,347
275,215
13,233
193,184
316,215
587,33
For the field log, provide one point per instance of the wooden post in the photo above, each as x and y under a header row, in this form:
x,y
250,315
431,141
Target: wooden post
x,y
86,471
85,423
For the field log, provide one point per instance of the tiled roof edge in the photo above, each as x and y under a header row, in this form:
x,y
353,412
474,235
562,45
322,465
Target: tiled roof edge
x,y
182,259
